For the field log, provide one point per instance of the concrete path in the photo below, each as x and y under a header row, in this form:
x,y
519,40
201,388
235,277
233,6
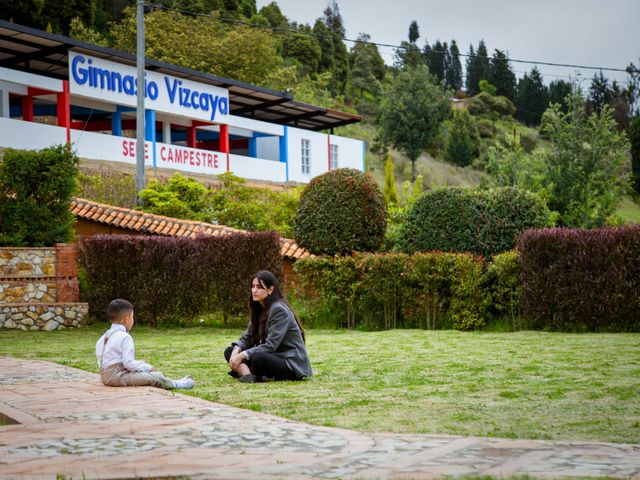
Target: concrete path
x,y
72,425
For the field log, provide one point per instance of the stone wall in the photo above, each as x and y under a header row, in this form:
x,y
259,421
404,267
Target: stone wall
x,y
39,288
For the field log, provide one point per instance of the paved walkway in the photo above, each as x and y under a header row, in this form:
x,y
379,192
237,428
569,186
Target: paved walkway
x,y
70,424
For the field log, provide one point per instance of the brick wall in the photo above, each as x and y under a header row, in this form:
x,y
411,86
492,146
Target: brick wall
x,y
39,288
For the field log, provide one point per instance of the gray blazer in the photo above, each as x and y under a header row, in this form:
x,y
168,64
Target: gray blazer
x,y
283,339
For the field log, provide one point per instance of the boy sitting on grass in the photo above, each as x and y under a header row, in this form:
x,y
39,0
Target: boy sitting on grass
x,y
115,354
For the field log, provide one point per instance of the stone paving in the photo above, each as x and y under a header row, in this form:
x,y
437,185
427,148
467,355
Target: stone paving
x,y
72,425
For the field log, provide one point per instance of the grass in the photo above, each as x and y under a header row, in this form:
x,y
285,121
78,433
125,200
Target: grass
x,y
515,385
629,210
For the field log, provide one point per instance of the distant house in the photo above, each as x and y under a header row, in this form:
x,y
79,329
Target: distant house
x,y
93,218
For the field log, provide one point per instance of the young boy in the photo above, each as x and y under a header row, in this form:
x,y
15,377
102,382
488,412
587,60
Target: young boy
x,y
115,354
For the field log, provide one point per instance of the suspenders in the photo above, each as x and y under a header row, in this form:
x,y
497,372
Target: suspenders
x,y
104,347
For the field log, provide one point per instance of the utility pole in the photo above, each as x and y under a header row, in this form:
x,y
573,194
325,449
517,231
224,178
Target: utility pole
x,y
140,127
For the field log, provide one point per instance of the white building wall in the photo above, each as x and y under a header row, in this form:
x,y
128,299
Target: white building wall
x,y
268,148
318,152
350,152
257,169
29,135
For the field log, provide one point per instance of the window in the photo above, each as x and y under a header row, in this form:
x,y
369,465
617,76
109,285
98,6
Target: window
x,y
305,157
333,157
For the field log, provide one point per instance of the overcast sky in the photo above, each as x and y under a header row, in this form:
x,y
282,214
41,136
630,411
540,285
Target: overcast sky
x,y
602,33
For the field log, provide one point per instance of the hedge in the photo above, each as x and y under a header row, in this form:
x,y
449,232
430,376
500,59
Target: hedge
x,y
169,278
382,291
481,222
340,212
577,279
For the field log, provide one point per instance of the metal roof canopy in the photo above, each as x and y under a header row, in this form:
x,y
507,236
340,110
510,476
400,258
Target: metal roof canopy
x,y
35,51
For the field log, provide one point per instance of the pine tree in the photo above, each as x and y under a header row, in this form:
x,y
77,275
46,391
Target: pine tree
x,y
414,32
502,76
532,98
435,60
390,192
558,91
599,92
454,73
478,68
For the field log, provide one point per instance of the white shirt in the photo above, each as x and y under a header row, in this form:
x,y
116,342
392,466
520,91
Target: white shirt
x,y
119,349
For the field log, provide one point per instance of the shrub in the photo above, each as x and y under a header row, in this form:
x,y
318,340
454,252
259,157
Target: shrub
x,y
445,283
382,291
576,279
465,220
112,188
486,128
488,105
36,187
179,197
167,278
463,140
502,281
340,212
528,141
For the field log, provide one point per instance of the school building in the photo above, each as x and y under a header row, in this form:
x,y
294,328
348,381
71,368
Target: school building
x,y
54,89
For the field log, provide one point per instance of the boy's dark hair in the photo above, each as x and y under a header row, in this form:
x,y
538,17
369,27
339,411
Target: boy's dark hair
x,y
117,309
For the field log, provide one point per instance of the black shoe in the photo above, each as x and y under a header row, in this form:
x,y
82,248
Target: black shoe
x,y
248,378
233,373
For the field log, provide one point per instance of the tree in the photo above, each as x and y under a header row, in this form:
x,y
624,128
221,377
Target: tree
x,y
273,15
435,59
304,50
408,55
634,138
367,66
454,70
558,91
583,175
599,92
203,44
502,75
390,192
338,51
414,32
463,140
411,113
532,98
35,196
478,68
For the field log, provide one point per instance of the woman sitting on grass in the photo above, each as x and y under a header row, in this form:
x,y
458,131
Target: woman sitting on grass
x,y
273,344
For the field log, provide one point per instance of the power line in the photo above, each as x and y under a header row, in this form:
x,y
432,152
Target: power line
x,y
377,44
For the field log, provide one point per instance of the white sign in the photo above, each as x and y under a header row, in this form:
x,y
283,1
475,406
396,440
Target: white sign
x,y
117,83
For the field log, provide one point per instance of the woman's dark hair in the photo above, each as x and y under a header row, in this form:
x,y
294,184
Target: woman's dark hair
x,y
259,313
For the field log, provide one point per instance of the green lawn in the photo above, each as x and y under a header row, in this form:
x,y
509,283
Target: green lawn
x,y
526,384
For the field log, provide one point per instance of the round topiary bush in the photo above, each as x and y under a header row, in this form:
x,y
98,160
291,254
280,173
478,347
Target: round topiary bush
x,y
341,212
465,220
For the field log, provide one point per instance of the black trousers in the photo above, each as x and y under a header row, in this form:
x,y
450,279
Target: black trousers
x,y
266,365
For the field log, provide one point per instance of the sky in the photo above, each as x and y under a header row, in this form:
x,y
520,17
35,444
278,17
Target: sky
x,y
600,33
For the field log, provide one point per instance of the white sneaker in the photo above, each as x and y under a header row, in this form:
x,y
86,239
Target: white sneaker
x,y
186,383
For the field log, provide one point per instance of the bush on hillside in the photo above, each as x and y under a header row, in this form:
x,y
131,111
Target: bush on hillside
x,y
579,279
169,278
488,105
36,187
464,220
462,144
341,212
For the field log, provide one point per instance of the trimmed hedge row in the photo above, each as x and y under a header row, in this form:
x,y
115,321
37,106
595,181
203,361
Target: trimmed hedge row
x,y
382,291
170,278
482,222
577,279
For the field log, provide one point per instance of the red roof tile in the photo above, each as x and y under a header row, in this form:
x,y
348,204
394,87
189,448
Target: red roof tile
x,y
135,220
